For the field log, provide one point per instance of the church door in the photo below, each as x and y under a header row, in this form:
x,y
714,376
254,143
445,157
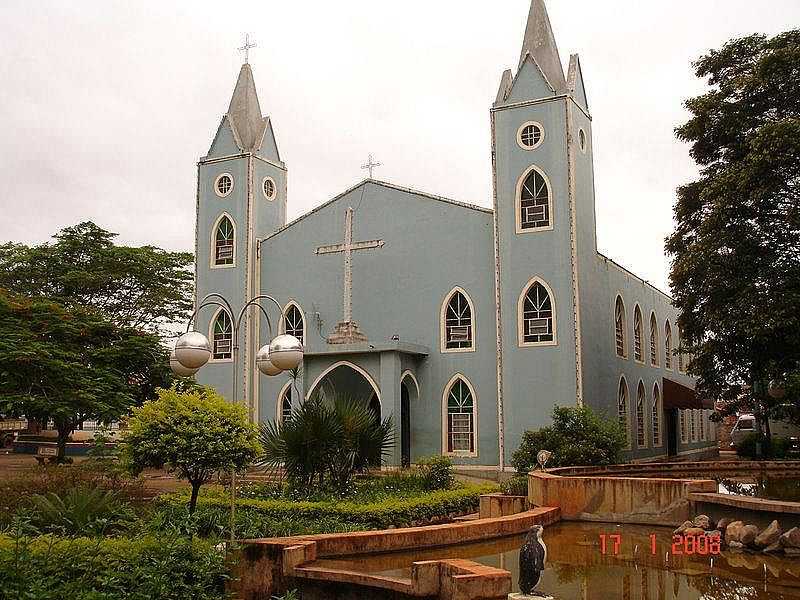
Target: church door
x,y
672,432
405,427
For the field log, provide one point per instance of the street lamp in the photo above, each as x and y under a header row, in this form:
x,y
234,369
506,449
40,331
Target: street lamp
x,y
193,351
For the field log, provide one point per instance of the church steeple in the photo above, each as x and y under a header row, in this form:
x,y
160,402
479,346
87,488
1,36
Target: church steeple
x,y
540,44
244,112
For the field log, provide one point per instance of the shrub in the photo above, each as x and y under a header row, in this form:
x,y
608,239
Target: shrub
x,y
778,449
80,511
577,436
52,568
516,486
436,472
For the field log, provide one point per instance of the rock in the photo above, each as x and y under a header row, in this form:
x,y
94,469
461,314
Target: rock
x,y
684,527
733,531
773,548
714,533
749,534
736,546
739,532
723,523
769,536
694,531
791,539
704,522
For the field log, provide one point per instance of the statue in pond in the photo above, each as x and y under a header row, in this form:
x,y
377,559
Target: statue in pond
x,y
532,557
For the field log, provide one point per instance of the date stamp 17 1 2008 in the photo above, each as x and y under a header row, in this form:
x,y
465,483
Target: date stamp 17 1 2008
x,y
686,545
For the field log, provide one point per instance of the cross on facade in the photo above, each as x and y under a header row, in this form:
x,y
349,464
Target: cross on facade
x,y
370,165
246,48
347,330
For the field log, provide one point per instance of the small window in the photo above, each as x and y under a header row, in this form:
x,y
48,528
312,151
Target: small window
x,y
268,187
582,140
293,323
222,337
637,335
530,135
460,418
537,317
667,346
641,431
746,425
684,427
534,202
653,340
224,242
622,409
285,403
458,323
619,327
223,185
655,420
692,425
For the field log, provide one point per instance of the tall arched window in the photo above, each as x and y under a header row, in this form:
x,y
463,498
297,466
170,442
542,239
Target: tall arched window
x,y
536,322
534,202
293,323
457,322
460,411
638,351
222,336
653,340
655,420
668,345
641,431
285,403
622,408
224,242
619,327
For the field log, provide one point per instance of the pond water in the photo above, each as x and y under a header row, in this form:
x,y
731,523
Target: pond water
x,y
577,568
773,487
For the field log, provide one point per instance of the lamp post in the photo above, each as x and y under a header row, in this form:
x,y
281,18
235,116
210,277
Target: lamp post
x,y
193,351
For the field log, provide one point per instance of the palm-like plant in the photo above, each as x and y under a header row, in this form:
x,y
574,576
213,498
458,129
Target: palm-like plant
x,y
79,511
329,438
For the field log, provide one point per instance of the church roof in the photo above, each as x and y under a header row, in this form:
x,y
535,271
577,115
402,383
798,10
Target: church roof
x,y
383,184
540,43
244,112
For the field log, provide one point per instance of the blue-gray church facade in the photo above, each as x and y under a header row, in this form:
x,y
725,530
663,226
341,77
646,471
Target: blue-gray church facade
x,y
466,324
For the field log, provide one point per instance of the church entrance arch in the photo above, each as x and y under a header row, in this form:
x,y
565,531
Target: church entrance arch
x,y
408,390
348,379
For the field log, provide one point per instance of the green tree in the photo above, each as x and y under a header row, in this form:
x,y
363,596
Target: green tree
x,y
193,434
146,288
70,364
735,251
578,436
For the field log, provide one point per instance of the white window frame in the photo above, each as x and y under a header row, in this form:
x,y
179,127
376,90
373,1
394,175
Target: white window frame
x,y
637,310
624,381
274,188
684,426
583,140
475,429
521,311
216,185
443,322
668,356
213,242
279,405
656,429
518,202
282,326
623,329
654,341
641,407
522,128
211,337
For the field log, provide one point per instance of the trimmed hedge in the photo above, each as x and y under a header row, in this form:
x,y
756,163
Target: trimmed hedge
x,y
348,516
53,568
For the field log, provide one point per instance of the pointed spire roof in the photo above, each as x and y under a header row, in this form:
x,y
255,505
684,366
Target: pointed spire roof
x,y
244,112
540,43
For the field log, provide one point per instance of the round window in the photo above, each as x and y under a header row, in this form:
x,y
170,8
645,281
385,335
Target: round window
x,y
268,186
530,135
582,139
224,184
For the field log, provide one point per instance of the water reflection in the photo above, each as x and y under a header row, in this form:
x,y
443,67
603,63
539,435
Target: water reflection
x,y
774,488
576,567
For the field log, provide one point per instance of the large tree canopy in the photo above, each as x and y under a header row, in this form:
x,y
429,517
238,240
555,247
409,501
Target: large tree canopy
x,y
736,249
141,287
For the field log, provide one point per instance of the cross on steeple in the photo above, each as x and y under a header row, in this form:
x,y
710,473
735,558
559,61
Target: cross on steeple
x,y
246,48
347,330
370,165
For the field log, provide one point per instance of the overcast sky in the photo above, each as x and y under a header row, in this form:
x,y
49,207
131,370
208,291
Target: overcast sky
x,y
106,106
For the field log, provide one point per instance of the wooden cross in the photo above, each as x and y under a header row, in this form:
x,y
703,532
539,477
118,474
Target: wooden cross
x,y
246,48
347,249
369,165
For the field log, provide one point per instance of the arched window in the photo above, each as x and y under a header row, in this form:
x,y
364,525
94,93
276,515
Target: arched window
x,y
638,352
668,345
285,403
534,202
224,242
619,327
222,336
460,407
458,325
536,319
655,420
681,363
622,408
641,431
293,323
653,340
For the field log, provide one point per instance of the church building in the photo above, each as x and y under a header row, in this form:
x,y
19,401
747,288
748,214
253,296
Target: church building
x,y
464,323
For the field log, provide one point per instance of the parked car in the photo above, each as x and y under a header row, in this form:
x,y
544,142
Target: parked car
x,y
746,424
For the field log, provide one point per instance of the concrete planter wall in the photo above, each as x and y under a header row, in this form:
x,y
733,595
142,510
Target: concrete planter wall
x,y
500,505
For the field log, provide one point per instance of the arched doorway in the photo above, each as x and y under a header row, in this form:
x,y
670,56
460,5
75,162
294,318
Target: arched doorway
x,y
350,380
405,426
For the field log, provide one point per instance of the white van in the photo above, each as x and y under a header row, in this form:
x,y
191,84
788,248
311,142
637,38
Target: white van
x,y
746,424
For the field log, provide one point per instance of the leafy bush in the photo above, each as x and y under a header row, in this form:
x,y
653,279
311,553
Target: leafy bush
x,y
516,486
778,449
436,472
577,436
52,568
80,511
